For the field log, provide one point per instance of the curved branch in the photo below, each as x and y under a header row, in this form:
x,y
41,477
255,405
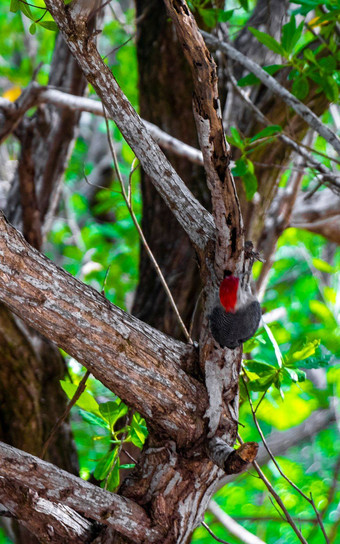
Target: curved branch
x,y
137,362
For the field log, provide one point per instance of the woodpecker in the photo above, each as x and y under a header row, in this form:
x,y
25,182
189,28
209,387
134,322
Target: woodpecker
x,y
236,316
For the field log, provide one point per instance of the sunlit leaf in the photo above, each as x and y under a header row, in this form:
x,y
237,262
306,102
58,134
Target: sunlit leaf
x,y
85,401
112,411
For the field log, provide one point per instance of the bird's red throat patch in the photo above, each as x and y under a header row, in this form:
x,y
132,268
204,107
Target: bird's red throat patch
x,y
228,293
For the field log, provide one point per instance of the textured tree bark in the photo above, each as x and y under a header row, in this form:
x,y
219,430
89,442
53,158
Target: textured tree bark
x,y
30,364
139,363
38,491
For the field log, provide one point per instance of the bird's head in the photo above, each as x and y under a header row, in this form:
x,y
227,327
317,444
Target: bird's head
x,y
228,292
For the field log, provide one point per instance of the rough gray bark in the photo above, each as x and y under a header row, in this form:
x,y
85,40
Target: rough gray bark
x,y
42,491
121,351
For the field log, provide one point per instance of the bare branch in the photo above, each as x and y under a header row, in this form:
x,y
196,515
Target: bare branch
x,y
230,460
45,519
327,174
281,441
301,109
206,526
193,217
54,489
291,483
319,214
43,95
137,362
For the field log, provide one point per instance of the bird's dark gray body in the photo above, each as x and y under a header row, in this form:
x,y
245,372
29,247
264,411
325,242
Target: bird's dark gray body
x,y
232,329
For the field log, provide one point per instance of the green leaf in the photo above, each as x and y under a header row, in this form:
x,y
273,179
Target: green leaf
x,y
49,25
291,34
237,139
268,131
292,374
104,464
128,465
251,79
328,63
33,28
260,368
113,410
331,88
93,419
14,6
26,10
300,88
139,431
244,4
86,401
309,55
224,16
321,360
113,479
209,16
323,313
323,266
308,350
250,184
268,41
241,167
261,384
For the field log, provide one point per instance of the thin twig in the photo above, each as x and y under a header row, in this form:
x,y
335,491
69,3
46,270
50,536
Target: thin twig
x,y
278,500
119,46
141,234
31,5
310,499
80,389
206,526
129,456
194,312
299,107
313,163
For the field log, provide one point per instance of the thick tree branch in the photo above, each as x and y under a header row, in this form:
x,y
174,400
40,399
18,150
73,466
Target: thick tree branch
x,y
60,496
195,219
137,362
216,158
220,368
300,108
